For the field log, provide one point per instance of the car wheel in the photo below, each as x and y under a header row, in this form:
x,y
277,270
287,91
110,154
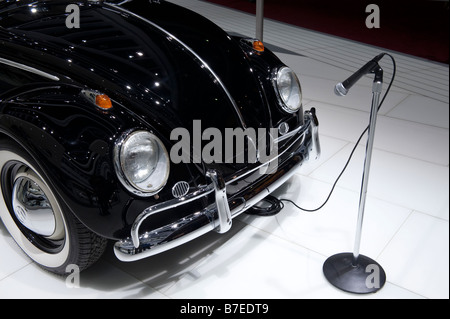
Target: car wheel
x,y
38,220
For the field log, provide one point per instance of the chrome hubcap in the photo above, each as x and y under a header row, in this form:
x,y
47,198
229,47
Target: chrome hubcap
x,y
32,207
31,212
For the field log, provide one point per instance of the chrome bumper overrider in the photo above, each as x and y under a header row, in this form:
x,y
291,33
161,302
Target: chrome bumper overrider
x,y
217,216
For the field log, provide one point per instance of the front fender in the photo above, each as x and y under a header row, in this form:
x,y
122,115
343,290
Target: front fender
x,y
72,141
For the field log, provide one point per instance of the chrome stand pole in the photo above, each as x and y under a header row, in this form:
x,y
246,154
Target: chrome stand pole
x,y
259,19
376,92
353,272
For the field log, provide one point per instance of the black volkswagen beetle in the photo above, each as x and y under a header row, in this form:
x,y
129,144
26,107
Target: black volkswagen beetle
x,y
94,97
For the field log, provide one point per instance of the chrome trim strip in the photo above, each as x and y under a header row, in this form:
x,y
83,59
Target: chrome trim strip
x,y
158,208
126,252
204,64
303,129
288,135
29,69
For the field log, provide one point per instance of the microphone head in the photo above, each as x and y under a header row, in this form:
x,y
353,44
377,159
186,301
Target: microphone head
x,y
340,90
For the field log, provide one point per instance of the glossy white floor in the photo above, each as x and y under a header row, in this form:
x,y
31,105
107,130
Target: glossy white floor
x,y
406,227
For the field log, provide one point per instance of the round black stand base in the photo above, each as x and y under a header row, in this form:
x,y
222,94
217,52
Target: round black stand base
x,y
365,277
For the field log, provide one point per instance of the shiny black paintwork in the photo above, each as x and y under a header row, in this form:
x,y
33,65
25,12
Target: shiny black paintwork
x,y
154,82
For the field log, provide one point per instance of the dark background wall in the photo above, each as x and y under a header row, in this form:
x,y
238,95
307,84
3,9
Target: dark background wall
x,y
416,27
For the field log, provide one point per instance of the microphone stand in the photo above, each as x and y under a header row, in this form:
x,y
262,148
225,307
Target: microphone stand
x,y
353,272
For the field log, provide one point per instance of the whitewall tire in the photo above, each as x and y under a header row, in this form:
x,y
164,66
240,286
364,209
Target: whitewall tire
x,y
39,222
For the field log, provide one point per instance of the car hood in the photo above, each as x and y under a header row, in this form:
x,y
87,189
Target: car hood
x,y
169,64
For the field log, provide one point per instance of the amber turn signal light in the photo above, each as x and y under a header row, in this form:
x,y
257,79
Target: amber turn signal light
x,y
258,46
103,101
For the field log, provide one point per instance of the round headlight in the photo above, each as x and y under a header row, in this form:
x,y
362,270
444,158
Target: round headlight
x,y
142,163
288,89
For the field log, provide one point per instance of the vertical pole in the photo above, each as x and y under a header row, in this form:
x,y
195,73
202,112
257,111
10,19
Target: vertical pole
x,y
377,88
348,271
260,19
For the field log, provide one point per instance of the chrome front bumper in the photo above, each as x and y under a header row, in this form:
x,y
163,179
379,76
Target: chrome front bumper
x,y
219,215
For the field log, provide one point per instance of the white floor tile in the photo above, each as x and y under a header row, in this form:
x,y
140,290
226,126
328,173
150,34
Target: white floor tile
x,y
340,122
331,230
359,97
162,271
253,265
101,281
420,141
12,258
418,256
329,147
394,178
423,142
305,66
424,110
257,265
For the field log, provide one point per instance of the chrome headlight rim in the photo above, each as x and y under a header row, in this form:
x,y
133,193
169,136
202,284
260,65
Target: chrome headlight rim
x,y
163,162
281,101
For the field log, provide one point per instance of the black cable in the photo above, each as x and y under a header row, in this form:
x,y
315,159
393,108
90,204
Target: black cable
x,y
354,149
275,206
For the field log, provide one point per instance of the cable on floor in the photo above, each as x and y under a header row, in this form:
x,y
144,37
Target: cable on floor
x,y
269,206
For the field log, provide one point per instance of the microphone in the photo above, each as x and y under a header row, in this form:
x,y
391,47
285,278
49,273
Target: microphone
x,y
342,88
